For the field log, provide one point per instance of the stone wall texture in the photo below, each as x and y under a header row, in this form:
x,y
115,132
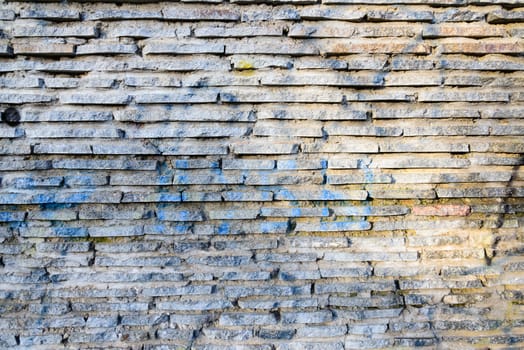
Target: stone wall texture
x,y
262,174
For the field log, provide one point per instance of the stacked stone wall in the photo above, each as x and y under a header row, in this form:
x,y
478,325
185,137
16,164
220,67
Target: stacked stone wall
x,y
262,175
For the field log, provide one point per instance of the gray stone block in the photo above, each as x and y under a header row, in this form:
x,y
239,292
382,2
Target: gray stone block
x,y
74,30
244,319
49,339
51,15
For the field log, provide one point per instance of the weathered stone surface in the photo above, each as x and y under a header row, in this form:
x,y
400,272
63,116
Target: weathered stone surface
x,y
301,164
424,146
313,78
374,46
187,148
43,48
465,46
486,192
492,62
184,113
460,15
337,226
403,162
186,130
371,211
332,13
442,210
340,29
239,319
181,215
7,15
116,231
244,196
352,287
283,178
402,15
294,212
205,178
325,195
65,115
272,148
177,47
472,96
106,48
341,145
50,131
253,164
25,97
326,112
238,31
289,129
307,317
95,98
270,46
265,13
200,13
51,15
114,14
250,62
6,49
464,30
178,96
74,30
343,129
505,16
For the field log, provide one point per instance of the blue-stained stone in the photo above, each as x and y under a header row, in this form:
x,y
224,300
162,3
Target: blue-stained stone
x,y
358,211
160,214
156,229
181,179
364,225
49,215
85,180
54,206
276,333
272,227
343,225
181,163
267,196
9,198
288,164
160,229
368,176
179,215
43,198
328,195
29,182
287,195
325,212
181,228
8,216
235,196
284,276
185,215
201,197
223,229
170,197
71,231
296,211
78,197
17,224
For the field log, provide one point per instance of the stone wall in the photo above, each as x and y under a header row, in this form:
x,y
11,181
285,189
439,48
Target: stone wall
x,y
258,175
